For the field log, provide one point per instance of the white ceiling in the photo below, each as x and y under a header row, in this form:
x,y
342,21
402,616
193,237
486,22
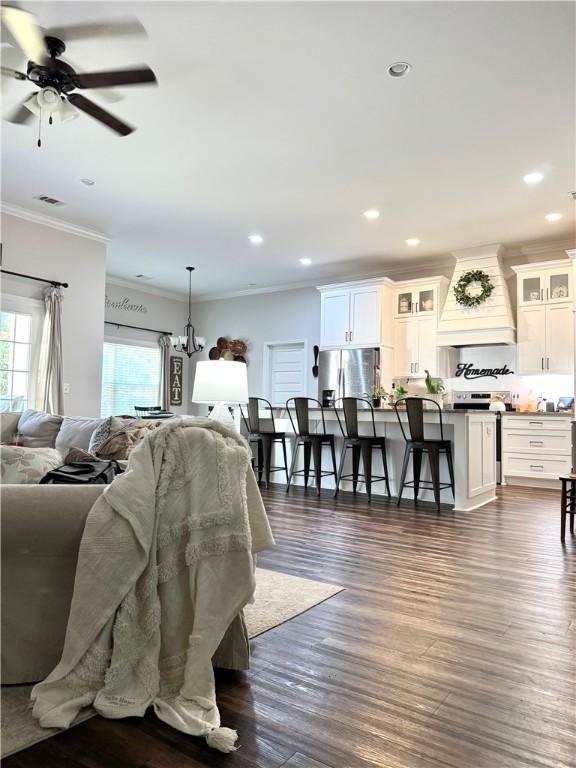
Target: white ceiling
x,y
280,118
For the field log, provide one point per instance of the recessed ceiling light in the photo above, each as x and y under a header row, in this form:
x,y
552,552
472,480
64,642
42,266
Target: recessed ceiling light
x,y
371,214
306,262
399,69
553,216
88,182
256,239
533,178
412,241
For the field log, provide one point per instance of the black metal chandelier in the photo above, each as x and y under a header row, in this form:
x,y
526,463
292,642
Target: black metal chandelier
x,y
189,343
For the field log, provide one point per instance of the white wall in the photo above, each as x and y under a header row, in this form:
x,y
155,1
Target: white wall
x,y
43,251
259,318
146,310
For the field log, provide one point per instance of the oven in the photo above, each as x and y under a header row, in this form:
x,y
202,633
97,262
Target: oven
x,y
480,401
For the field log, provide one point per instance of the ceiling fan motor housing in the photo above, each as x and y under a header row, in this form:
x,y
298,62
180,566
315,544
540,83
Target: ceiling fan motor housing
x,y
53,73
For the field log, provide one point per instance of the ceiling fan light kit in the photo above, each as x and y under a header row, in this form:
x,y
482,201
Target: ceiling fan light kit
x,y
57,80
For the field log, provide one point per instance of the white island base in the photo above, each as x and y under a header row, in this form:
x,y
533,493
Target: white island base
x,y
473,436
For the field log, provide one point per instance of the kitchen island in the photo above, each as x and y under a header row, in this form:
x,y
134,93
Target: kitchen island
x,y
473,436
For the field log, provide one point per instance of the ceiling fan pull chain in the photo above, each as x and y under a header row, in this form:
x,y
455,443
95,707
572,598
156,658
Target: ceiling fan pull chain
x,y
50,119
40,129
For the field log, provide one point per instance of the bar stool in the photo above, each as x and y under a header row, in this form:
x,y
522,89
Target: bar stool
x,y
417,444
361,445
567,504
312,442
263,438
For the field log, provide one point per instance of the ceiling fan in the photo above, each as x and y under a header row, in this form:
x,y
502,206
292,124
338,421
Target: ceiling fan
x,y
57,80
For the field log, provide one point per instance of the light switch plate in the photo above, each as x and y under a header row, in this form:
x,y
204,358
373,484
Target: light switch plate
x,y
66,388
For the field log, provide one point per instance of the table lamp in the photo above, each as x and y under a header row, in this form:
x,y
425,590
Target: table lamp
x,y
221,383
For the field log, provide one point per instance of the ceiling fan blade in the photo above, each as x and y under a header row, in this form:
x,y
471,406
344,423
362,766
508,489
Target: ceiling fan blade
x,y
120,77
26,32
90,30
21,114
13,73
100,114
110,97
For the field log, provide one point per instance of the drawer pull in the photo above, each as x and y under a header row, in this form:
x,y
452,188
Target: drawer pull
x,y
537,467
538,443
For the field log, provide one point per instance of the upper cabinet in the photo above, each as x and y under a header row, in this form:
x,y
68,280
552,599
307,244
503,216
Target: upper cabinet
x,y
545,318
421,299
546,283
354,314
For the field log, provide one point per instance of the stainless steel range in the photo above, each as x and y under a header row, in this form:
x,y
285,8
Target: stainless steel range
x,y
480,401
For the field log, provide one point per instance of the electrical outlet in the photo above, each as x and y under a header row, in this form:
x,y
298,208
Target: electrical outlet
x,y
66,388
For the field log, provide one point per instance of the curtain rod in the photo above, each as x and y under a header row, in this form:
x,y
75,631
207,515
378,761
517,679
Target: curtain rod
x,y
55,283
137,328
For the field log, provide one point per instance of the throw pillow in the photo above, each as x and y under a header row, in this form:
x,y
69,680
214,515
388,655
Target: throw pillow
x,y
78,454
76,432
120,444
27,465
108,427
38,429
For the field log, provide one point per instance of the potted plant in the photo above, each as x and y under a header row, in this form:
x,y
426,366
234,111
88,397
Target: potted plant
x,y
398,393
376,394
434,388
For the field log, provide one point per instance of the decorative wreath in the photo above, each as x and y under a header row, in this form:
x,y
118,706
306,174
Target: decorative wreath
x,y
462,288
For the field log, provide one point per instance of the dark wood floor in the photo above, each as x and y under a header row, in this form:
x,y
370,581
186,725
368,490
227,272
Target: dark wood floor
x,y
453,645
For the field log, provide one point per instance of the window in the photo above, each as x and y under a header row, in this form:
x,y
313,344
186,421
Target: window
x,y
15,361
130,376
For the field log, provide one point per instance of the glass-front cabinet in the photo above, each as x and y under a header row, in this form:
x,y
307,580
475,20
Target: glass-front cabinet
x,y
420,300
544,284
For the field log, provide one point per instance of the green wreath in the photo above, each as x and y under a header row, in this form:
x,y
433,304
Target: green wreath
x,y
461,288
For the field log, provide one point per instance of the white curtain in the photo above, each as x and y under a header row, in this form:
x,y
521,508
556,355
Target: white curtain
x,y
165,348
49,388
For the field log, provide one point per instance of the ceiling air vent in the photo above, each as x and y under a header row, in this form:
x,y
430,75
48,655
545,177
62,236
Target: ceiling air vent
x,y
573,195
48,200
143,277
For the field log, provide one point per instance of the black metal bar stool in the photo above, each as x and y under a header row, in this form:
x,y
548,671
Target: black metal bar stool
x,y
362,446
264,439
567,504
312,442
417,444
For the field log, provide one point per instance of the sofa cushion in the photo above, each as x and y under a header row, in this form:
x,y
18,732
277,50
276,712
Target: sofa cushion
x,y
38,429
76,432
107,427
119,445
19,465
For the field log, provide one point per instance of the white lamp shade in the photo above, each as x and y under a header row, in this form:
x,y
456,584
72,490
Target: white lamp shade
x,y
220,381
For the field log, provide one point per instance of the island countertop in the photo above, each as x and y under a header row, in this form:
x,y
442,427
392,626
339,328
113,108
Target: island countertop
x,y
471,432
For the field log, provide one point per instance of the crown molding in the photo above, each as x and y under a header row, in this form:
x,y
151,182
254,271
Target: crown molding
x,y
539,249
48,221
150,289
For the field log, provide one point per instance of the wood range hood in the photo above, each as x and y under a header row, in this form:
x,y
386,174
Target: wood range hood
x,y
490,323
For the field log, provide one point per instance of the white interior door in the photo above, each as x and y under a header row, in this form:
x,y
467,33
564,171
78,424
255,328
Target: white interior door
x,y
286,372
531,344
335,318
559,338
365,316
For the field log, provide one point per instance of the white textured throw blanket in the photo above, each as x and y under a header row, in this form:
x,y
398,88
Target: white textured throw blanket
x,y
165,566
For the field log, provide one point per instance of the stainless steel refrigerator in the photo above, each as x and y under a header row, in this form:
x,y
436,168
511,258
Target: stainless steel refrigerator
x,y
347,373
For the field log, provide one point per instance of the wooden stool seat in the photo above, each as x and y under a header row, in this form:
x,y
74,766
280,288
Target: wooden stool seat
x,y
567,504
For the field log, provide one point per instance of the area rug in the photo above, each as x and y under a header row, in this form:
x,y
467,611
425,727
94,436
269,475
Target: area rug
x,y
279,598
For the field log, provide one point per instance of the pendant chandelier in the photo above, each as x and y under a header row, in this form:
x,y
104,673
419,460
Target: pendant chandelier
x,y
189,343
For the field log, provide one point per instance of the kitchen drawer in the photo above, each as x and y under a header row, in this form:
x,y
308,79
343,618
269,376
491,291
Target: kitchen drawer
x,y
537,423
549,443
550,468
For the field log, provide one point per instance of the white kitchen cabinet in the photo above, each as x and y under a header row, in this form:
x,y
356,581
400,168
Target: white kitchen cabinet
x,y
364,316
355,314
415,347
481,453
536,449
417,299
545,283
545,338
335,313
